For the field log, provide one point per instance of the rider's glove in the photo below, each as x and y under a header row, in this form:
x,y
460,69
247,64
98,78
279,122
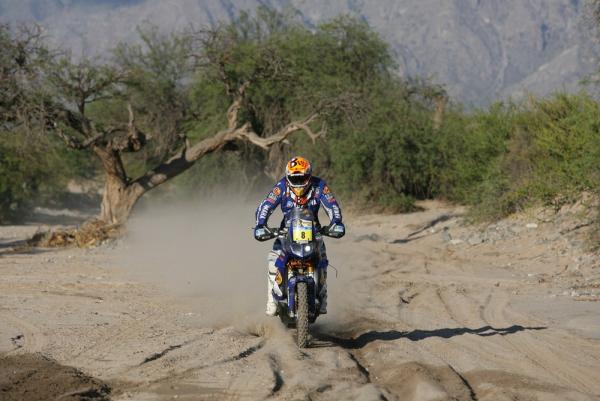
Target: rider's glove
x,y
261,233
336,230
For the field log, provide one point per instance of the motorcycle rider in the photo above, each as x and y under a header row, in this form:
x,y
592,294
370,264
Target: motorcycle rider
x,y
299,188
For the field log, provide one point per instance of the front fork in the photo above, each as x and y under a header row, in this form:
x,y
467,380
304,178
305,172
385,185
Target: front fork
x,y
293,280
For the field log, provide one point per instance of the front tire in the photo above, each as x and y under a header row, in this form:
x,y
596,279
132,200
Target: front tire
x,y
302,314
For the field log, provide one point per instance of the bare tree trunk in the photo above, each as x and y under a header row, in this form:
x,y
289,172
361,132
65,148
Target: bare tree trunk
x,y
119,196
275,159
122,193
117,201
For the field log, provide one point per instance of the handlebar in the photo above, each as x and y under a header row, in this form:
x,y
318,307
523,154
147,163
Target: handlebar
x,y
271,232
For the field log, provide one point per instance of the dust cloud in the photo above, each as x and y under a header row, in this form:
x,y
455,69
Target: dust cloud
x,y
204,252
205,255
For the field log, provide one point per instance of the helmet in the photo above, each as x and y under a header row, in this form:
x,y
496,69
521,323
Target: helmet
x,y
297,173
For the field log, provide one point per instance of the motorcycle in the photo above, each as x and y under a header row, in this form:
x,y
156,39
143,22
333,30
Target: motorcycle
x,y
297,284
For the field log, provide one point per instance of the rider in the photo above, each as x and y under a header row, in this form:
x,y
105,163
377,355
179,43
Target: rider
x,y
299,188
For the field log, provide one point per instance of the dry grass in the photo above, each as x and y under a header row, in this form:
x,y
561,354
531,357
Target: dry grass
x,y
91,233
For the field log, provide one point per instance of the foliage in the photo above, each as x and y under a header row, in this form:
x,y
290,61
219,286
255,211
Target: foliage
x,y
22,55
290,71
387,158
156,73
549,155
499,161
33,173
342,69
34,167
390,140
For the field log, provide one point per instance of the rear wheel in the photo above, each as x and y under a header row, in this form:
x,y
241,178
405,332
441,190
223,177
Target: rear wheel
x,y
302,314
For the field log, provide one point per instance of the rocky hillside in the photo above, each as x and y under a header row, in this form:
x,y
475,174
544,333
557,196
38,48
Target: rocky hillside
x,y
480,49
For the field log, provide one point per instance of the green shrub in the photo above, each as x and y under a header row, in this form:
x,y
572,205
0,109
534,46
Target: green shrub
x,y
388,160
382,151
33,171
550,155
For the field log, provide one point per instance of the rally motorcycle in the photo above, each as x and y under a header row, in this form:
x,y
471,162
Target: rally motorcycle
x,y
297,285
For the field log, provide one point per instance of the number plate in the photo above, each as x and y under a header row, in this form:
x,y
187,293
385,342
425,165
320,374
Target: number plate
x,y
302,231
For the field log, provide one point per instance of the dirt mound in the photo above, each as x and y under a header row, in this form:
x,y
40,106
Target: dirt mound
x,y
33,377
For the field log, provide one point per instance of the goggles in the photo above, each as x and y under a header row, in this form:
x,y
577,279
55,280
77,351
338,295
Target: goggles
x,y
298,180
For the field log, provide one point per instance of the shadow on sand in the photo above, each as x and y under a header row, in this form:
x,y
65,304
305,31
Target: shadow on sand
x,y
417,335
19,247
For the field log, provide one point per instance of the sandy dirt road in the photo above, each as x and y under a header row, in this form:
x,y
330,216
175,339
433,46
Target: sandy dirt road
x,y
423,309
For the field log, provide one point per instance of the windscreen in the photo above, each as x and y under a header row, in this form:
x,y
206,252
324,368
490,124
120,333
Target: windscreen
x,y
301,232
302,223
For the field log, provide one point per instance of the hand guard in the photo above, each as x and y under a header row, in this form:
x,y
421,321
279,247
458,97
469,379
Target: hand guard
x,y
262,233
336,230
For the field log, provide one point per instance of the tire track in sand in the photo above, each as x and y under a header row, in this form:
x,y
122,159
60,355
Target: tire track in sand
x,y
33,338
546,350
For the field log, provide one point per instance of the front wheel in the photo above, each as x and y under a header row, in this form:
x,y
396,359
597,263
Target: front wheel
x,y
302,314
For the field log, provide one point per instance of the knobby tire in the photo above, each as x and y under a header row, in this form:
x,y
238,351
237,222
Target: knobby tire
x,y
302,315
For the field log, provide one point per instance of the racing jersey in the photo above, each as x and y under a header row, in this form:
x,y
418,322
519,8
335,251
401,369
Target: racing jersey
x,y
317,194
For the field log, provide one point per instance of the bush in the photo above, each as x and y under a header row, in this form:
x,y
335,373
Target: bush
x,y
33,172
386,143
547,153
388,160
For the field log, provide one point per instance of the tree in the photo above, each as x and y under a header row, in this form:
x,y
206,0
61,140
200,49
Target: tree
x,y
343,71
161,105
296,71
22,54
262,51
80,86
32,165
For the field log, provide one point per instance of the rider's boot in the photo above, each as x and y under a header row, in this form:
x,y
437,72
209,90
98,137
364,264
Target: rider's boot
x,y
272,272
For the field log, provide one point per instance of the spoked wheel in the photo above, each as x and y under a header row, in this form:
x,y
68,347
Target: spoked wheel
x,y
302,314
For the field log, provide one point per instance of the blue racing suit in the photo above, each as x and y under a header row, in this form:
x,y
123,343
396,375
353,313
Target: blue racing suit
x,y
317,194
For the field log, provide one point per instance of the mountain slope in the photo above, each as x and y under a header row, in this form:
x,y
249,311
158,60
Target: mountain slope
x,y
480,49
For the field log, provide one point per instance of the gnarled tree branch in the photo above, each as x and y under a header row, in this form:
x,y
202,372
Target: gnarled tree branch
x,y
188,156
77,144
236,105
135,139
73,120
283,133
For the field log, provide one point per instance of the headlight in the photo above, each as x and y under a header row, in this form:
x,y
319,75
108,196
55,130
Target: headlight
x,y
307,248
